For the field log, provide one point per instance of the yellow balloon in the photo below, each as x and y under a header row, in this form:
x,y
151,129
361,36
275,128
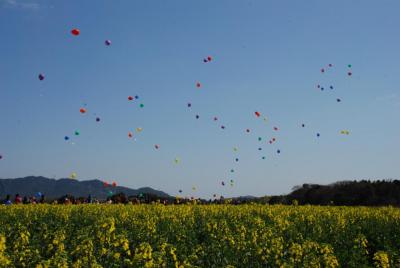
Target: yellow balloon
x,y
73,175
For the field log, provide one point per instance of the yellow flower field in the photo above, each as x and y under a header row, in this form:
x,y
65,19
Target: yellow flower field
x,y
198,236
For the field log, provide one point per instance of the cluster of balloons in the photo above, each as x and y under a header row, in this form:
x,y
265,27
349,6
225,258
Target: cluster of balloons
x,y
208,59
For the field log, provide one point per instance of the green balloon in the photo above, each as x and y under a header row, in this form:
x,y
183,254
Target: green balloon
x,y
259,138
349,65
141,105
77,133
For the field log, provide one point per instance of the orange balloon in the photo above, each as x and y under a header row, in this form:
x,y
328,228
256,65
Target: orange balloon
x,y
82,110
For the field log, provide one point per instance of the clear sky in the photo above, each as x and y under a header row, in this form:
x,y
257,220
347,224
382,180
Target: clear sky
x,y
267,57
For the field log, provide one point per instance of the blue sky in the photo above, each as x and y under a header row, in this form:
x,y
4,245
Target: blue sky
x,y
267,57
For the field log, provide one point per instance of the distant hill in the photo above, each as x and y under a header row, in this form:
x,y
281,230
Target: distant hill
x,y
349,193
53,188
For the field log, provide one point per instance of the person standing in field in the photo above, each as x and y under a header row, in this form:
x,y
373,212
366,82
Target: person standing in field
x,y
18,199
7,201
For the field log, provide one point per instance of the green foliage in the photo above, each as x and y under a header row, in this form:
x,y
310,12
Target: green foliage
x,y
198,236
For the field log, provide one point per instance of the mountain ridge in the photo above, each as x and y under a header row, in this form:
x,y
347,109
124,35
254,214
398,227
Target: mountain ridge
x,y
55,188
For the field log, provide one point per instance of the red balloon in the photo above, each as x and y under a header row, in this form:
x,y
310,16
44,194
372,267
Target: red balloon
x,y
75,32
114,184
209,58
105,184
130,135
82,110
130,98
257,114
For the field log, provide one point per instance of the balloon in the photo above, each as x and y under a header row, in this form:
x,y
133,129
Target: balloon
x,y
197,116
318,134
235,149
322,88
141,105
105,184
209,58
270,142
97,119
107,42
1,157
331,87
278,151
273,139
114,184
157,146
215,118
180,191
257,114
130,135
232,170
110,193
263,157
77,133
259,148
330,65
338,100
248,130
38,194
189,105
223,127
349,73
214,195
75,32
73,175
139,129
237,159
205,60
259,138
66,138
349,65
82,110
177,160
223,183
302,125
345,132
136,97
198,84
194,188
275,128
41,77
318,86
322,70
130,98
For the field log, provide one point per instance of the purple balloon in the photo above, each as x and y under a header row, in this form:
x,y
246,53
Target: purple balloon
x,y
107,42
41,77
